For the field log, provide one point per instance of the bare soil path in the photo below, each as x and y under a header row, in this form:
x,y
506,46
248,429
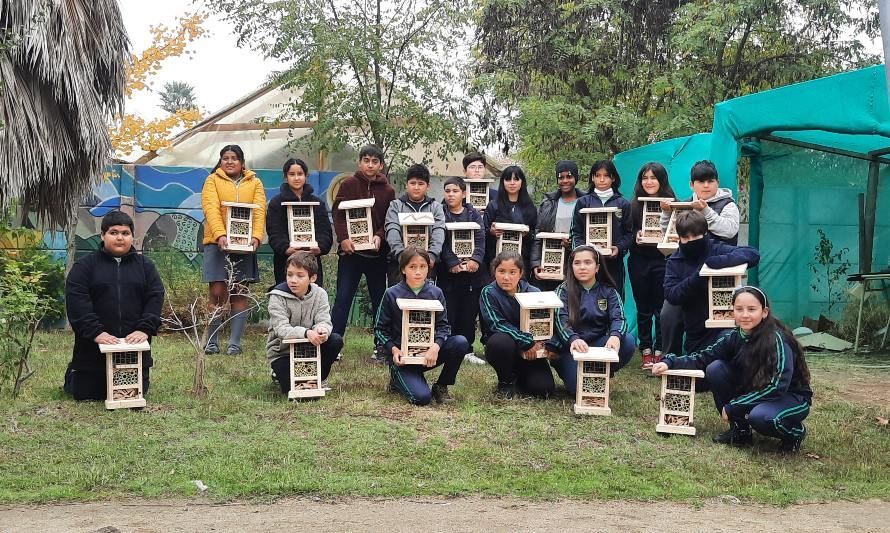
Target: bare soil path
x,y
435,514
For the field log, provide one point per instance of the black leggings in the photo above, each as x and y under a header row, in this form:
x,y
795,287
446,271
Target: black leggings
x,y
531,377
90,384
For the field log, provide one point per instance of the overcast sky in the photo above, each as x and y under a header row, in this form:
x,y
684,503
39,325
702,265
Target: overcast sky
x,y
220,71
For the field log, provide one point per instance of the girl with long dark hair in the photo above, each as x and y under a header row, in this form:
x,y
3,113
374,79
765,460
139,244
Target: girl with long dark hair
x,y
514,205
757,373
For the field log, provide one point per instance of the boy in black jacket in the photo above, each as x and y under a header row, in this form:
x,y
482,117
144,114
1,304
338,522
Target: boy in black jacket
x,y
113,295
685,288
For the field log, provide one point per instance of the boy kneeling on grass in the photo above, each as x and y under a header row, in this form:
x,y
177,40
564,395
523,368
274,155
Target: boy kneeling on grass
x,y
298,308
112,296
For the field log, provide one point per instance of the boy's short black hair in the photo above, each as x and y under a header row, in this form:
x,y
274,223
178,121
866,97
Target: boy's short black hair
x,y
691,223
116,218
471,158
303,260
456,180
418,171
703,171
370,150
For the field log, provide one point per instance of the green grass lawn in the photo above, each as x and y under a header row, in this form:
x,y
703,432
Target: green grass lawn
x,y
247,441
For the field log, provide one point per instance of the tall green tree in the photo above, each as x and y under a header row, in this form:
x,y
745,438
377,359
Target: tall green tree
x,y
178,96
384,72
591,78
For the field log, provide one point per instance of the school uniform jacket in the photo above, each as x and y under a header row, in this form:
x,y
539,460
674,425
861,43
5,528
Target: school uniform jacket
x,y
117,297
648,251
622,223
358,187
518,214
445,279
388,326
219,188
394,229
684,286
734,348
290,316
278,229
501,312
722,215
546,222
601,313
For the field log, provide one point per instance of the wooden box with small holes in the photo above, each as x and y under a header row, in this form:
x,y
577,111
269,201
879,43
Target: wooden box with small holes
x,y
418,327
359,225
553,255
592,393
416,229
537,315
650,231
301,223
722,282
477,192
463,238
511,239
671,240
123,374
239,226
677,401
598,228
305,369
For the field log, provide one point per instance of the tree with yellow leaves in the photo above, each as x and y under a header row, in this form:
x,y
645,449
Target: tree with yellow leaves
x,y
132,133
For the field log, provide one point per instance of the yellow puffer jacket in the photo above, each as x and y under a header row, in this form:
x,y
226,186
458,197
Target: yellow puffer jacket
x,y
219,188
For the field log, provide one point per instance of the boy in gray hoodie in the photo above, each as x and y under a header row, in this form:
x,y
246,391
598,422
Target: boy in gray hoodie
x,y
298,308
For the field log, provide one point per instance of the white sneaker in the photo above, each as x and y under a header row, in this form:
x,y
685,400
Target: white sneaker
x,y
471,358
339,356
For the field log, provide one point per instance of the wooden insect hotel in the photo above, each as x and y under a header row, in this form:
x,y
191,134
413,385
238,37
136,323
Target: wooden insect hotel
x,y
123,374
553,255
239,226
677,401
511,238
477,192
722,282
418,327
463,238
359,226
416,229
592,393
305,369
537,312
671,240
301,223
651,232
598,226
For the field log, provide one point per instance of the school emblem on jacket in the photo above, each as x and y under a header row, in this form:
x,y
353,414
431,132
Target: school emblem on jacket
x,y
619,214
603,304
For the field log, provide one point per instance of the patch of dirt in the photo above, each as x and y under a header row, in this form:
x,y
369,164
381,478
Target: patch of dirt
x,y
438,514
859,386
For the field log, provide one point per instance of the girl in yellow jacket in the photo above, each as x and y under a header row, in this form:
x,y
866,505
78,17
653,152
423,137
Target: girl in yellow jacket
x,y
230,182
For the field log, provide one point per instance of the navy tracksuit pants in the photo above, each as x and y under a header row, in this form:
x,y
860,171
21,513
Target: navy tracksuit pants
x,y
781,417
615,267
462,308
329,351
567,367
410,381
531,377
350,269
647,281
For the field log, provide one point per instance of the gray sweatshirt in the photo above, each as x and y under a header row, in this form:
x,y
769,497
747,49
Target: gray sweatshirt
x,y
290,316
393,230
724,224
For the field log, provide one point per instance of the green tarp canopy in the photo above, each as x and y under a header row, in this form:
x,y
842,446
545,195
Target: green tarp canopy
x,y
819,153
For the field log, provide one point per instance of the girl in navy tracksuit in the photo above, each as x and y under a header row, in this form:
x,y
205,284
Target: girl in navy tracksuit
x,y
448,350
603,192
645,265
511,351
296,189
513,205
757,373
462,279
592,316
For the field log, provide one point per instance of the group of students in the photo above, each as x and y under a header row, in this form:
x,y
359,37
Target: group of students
x,y
757,371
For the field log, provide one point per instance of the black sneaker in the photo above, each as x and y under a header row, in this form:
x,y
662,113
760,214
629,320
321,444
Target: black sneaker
x,y
234,349
792,445
505,391
440,394
736,435
392,386
211,349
